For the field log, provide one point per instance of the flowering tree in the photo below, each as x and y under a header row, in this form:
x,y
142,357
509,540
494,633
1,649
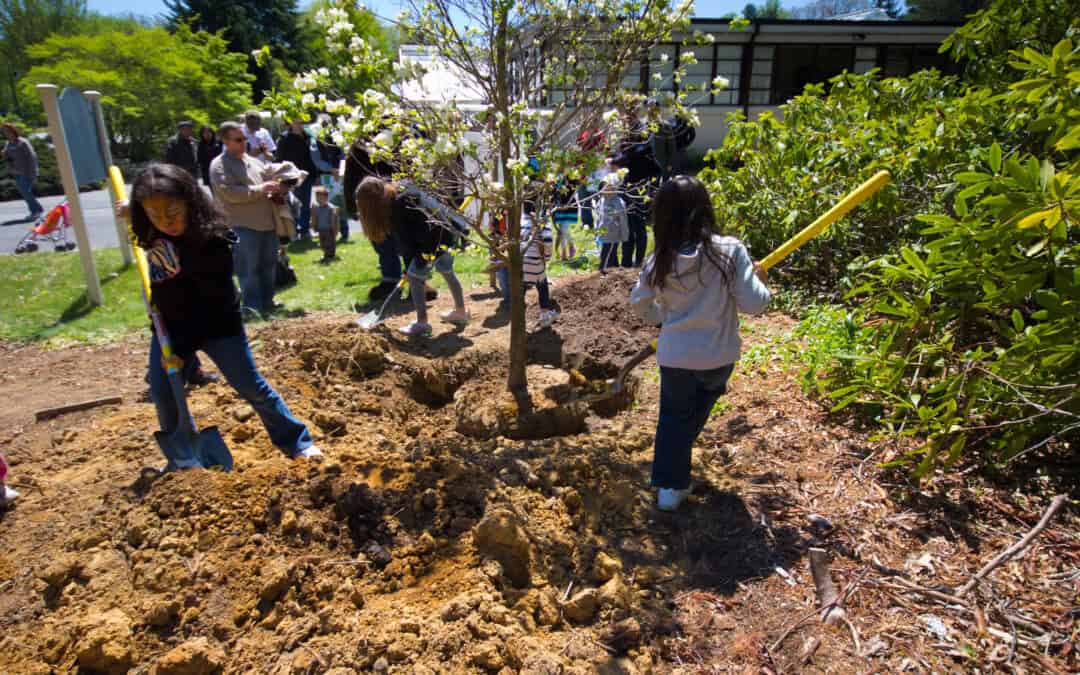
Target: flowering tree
x,y
545,70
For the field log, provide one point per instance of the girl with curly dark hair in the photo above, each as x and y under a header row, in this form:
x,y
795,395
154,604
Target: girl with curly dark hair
x,y
189,253
694,285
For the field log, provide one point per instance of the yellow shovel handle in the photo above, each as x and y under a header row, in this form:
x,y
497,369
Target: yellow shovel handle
x,y
856,197
116,180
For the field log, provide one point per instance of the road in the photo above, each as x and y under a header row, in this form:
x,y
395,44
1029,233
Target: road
x,y
96,207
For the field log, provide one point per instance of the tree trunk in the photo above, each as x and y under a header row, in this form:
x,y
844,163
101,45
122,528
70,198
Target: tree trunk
x,y
517,381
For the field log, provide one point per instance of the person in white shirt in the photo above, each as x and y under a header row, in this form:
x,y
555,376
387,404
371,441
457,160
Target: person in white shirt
x,y
260,144
693,285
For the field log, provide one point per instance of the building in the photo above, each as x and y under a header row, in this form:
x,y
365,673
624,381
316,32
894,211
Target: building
x,y
771,61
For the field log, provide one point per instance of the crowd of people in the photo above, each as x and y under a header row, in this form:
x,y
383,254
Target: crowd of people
x,y
258,193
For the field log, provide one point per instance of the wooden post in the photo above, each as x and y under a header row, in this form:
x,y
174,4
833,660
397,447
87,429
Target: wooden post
x,y
50,98
122,235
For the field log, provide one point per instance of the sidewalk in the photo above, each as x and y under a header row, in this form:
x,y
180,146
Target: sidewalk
x,y
96,207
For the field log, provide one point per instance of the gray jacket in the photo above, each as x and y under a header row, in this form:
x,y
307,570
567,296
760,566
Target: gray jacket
x,y
22,157
236,183
697,311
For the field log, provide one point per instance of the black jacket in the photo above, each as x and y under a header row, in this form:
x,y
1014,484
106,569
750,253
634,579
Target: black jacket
x,y
181,152
192,286
206,154
416,235
296,148
358,166
642,173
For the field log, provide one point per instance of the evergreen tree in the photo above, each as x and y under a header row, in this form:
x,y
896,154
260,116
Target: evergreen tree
x,y
247,25
943,10
891,7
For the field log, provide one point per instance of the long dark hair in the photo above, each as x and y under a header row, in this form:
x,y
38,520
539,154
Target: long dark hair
x,y
204,218
683,216
375,204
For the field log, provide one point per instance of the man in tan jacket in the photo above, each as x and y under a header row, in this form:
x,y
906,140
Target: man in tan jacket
x,y
236,178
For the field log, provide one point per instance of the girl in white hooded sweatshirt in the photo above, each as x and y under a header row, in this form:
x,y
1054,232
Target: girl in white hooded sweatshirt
x,y
693,285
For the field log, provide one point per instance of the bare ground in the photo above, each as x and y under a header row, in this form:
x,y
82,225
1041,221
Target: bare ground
x,y
417,548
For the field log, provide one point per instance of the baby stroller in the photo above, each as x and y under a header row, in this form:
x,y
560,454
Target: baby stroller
x,y
52,227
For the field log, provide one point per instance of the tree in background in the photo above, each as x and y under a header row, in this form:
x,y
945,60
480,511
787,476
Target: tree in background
x,y
891,7
771,9
149,78
248,25
27,22
945,10
324,47
826,9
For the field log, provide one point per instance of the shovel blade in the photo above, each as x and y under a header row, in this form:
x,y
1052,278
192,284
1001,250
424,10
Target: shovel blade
x,y
203,451
213,451
178,449
370,320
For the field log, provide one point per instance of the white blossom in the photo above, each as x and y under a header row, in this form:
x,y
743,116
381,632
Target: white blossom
x,y
720,83
664,58
611,116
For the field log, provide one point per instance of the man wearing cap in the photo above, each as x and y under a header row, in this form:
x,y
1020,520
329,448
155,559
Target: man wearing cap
x,y
182,150
260,144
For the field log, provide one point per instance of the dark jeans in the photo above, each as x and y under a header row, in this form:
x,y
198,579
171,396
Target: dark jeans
x,y
255,256
686,399
233,358
25,186
633,249
543,289
390,262
343,225
502,275
303,193
609,256
327,243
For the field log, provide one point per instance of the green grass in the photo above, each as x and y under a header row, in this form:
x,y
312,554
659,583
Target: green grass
x,y
44,297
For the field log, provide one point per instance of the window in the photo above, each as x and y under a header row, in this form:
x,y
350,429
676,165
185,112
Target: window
x,y
903,60
796,66
761,75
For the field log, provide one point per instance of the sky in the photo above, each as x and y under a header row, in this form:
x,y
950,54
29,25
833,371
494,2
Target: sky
x,y
388,8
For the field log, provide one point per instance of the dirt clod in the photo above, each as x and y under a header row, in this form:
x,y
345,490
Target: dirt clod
x,y
194,657
501,535
582,607
107,647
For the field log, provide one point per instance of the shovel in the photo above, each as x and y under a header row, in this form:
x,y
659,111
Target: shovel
x,y
849,202
186,447
374,318
615,386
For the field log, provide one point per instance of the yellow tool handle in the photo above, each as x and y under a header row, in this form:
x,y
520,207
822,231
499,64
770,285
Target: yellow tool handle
x,y
116,179
856,197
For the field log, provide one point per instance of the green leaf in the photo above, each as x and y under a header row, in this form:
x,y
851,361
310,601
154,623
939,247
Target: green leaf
x,y
969,177
1017,320
915,261
995,157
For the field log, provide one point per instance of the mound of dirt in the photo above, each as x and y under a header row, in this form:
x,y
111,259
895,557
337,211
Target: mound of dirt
x,y
596,324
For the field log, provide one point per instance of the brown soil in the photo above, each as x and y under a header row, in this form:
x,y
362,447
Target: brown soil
x,y
416,548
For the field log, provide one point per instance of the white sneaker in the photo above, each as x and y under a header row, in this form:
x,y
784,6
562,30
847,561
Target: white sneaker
x,y
548,317
310,452
416,329
455,316
8,496
669,499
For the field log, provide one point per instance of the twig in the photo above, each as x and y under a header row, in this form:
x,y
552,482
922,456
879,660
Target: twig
x,y
49,413
1018,547
826,590
854,634
791,629
313,653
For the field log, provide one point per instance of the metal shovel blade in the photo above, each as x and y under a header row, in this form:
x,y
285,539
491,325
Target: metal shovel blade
x,y
211,447
374,318
203,451
614,387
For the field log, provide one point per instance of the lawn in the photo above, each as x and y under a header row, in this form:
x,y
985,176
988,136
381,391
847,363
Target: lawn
x,y
44,298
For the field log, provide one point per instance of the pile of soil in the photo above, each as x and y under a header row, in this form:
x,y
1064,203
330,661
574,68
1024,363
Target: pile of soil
x,y
415,548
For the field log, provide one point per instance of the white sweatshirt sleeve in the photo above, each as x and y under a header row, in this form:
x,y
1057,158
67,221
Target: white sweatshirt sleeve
x,y
751,296
643,299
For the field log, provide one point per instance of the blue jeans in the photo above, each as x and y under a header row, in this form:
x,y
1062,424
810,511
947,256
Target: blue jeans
x,y
25,186
255,256
502,276
389,260
686,399
303,193
233,358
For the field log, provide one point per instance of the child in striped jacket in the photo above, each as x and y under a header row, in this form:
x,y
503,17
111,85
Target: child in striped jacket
x,y
536,249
